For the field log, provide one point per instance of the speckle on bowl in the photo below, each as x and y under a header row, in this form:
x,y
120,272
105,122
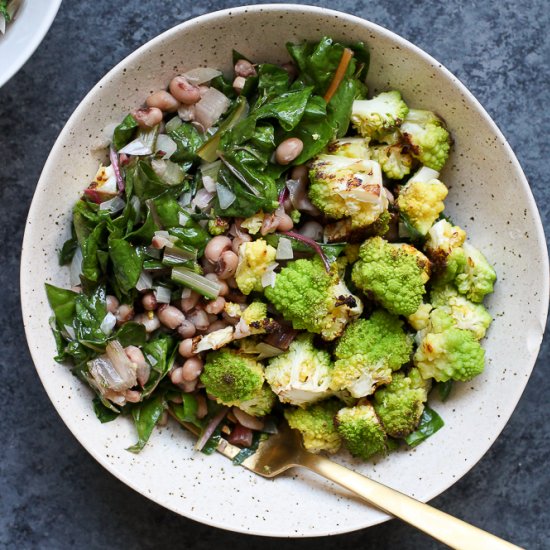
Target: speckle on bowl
x,y
489,197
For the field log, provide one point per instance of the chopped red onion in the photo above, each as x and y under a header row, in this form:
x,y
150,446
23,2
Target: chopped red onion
x,y
283,195
226,197
265,351
162,294
312,230
210,428
284,249
145,281
136,148
247,420
108,323
313,244
70,331
211,107
114,205
166,145
241,436
173,124
200,75
299,198
168,171
163,239
116,169
202,199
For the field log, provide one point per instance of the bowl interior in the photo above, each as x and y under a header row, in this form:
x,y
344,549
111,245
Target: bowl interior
x,y
489,197
24,34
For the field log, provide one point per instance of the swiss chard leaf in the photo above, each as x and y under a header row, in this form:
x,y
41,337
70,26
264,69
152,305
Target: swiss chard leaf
x,y
189,233
187,410
430,422
126,262
272,79
103,413
444,389
146,415
89,313
145,182
63,304
131,334
124,132
67,251
188,140
91,266
160,355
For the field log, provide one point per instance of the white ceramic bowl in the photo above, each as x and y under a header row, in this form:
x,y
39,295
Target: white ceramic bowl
x,y
489,197
24,34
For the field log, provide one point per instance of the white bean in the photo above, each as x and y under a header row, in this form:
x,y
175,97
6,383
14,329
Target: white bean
x,y
170,316
192,369
285,223
132,396
176,375
239,83
187,304
124,313
184,91
112,304
187,329
227,265
199,318
185,348
216,325
288,150
164,101
224,289
149,320
149,301
215,306
188,387
216,247
244,68
148,117
237,241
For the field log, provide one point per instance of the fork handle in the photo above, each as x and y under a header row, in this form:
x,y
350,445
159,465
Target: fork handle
x,y
441,526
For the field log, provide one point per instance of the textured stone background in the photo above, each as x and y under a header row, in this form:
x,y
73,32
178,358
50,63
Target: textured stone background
x,y
52,493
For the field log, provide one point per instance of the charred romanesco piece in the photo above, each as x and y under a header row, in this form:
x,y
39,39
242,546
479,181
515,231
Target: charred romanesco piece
x,y
352,147
477,277
380,115
232,378
467,315
429,140
302,374
368,352
392,274
261,404
316,424
443,238
361,430
400,404
217,226
343,187
254,260
446,352
420,201
394,157
312,299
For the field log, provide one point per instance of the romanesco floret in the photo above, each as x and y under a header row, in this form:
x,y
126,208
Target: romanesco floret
x,y
217,226
377,116
368,352
443,238
253,224
477,277
420,201
254,320
254,260
420,319
316,424
312,299
261,404
394,158
446,352
400,404
352,147
302,374
466,314
344,187
231,377
361,430
429,140
392,274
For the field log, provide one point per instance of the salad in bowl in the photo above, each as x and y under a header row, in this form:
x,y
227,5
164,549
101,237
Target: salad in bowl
x,y
270,247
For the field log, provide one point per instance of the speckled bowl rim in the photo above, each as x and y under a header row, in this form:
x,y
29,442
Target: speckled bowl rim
x,y
544,290
33,40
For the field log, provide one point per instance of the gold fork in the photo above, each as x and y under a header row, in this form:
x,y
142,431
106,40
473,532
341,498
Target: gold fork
x,y
284,450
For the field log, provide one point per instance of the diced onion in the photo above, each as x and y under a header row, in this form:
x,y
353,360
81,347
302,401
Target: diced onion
x,y
173,124
168,171
284,250
145,281
167,145
108,323
202,199
185,198
163,239
76,267
114,205
136,148
113,371
267,350
226,197
200,75
210,428
211,107
299,198
209,173
162,294
70,331
153,252
187,113
268,278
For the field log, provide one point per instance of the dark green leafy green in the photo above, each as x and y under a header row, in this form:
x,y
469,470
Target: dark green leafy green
x,y
131,334
63,304
444,389
124,132
126,264
188,140
160,353
145,183
189,233
430,422
103,413
186,411
257,438
89,313
146,415
67,251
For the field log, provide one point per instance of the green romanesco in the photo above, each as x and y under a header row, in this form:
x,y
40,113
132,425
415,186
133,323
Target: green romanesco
x,y
392,274
428,138
394,157
400,404
217,226
477,277
352,147
253,224
301,375
466,314
420,319
446,352
343,187
231,377
368,352
261,404
316,424
443,238
380,115
255,258
312,299
361,430
420,201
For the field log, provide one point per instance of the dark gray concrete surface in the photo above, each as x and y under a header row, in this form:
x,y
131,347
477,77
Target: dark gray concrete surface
x,y
52,493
